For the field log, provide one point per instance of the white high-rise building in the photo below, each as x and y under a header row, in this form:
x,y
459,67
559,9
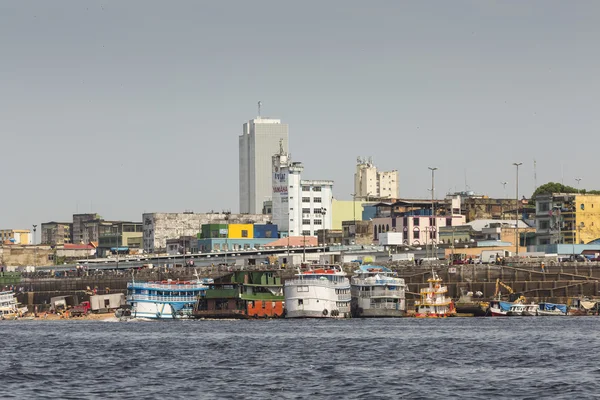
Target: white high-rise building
x,y
300,207
260,139
370,183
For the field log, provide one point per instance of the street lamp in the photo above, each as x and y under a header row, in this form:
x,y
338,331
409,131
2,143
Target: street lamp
x,y
35,248
578,180
517,211
504,185
432,169
354,211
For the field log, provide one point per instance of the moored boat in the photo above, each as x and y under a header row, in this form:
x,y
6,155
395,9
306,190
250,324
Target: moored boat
x,y
164,299
467,305
522,310
550,309
9,306
377,292
434,303
319,292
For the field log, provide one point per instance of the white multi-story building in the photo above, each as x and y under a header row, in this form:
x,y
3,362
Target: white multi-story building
x,y
300,207
260,139
370,183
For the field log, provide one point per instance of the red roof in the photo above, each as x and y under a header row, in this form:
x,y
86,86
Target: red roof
x,y
72,246
294,241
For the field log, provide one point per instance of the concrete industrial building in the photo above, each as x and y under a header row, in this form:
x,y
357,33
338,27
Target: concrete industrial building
x,y
300,207
56,233
260,139
158,227
81,233
370,183
568,218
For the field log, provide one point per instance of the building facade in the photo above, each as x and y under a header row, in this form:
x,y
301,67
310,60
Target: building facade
x,y
119,234
81,234
158,227
15,236
261,138
567,218
370,183
56,233
300,207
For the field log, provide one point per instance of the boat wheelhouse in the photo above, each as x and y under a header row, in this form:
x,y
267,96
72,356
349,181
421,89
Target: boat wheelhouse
x,y
433,302
319,292
164,299
377,292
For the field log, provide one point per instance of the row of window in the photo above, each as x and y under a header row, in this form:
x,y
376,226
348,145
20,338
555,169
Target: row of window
x,y
315,222
307,188
307,200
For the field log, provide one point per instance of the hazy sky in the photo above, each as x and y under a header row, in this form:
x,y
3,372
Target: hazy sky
x,y
132,107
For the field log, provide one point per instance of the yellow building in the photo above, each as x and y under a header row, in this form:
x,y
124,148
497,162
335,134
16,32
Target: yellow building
x,y
346,210
240,231
15,236
567,218
587,219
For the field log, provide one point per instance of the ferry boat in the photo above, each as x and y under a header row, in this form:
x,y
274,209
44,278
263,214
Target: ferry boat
x,y
320,292
9,307
164,299
377,292
433,302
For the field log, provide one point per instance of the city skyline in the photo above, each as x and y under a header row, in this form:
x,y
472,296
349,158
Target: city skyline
x,y
129,108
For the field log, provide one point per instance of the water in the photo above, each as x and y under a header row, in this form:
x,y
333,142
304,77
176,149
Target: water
x,y
467,358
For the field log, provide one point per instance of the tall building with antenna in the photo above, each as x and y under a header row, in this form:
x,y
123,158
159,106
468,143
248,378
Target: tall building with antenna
x,y
260,139
371,183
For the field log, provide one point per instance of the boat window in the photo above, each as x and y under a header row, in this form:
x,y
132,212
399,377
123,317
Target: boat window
x,y
300,302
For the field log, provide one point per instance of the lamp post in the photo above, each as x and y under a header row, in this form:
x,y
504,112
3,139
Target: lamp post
x,y
517,211
35,248
578,180
354,210
432,169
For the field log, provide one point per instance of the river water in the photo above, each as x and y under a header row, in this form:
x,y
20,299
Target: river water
x,y
466,358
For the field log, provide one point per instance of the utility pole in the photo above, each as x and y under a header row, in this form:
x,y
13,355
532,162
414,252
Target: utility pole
x,y
35,248
354,215
433,169
578,180
517,211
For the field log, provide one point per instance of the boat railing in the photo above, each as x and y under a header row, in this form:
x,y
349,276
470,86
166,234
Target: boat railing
x,y
442,289
344,296
433,302
162,299
379,282
385,306
381,293
318,282
166,286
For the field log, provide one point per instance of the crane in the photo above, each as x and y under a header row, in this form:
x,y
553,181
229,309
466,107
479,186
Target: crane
x,y
504,285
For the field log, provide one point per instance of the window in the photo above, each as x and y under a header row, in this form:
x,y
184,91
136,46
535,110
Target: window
x,y
448,221
387,228
317,189
405,221
305,233
317,222
317,199
306,211
244,233
415,234
302,288
306,188
306,199
544,206
544,224
306,222
416,221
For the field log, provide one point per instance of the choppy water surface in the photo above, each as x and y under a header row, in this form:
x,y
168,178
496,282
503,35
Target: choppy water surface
x,y
467,358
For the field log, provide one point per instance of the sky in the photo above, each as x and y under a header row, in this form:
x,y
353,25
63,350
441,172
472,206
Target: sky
x,y
122,108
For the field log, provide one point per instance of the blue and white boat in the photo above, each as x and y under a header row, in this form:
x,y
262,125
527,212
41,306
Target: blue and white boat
x,y
164,299
377,291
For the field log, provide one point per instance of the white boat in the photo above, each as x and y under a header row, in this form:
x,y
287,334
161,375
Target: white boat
x,y
9,307
165,299
522,310
550,309
377,292
320,292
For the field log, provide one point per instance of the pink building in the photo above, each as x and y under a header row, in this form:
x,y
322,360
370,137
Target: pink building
x,y
413,219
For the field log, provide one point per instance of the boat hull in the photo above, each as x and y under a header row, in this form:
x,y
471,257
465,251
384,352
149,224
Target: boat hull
x,y
314,314
379,313
158,311
471,308
552,313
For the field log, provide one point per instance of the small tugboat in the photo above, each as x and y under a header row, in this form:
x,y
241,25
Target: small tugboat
x,y
319,292
433,302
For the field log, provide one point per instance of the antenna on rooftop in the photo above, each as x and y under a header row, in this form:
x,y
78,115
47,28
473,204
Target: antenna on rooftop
x,y
259,104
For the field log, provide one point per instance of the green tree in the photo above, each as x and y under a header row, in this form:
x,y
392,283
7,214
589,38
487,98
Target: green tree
x,y
554,187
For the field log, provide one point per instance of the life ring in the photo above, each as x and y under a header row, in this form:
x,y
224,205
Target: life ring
x,y
325,312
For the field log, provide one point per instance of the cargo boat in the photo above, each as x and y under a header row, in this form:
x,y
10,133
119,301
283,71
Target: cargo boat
x,y
9,307
377,292
243,294
319,292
